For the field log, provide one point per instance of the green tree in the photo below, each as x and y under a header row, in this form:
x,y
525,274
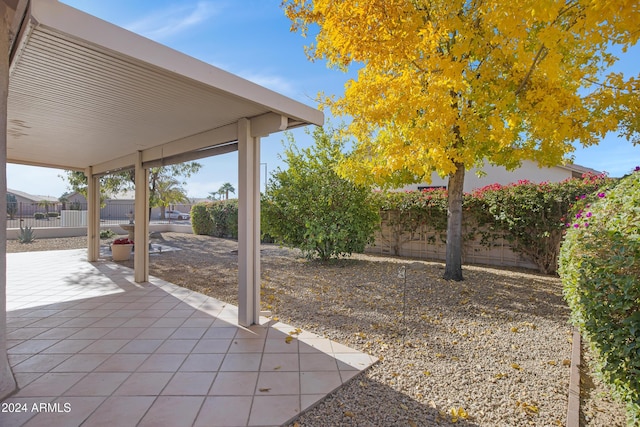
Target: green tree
x,y
46,204
226,189
159,178
12,205
168,192
444,85
310,207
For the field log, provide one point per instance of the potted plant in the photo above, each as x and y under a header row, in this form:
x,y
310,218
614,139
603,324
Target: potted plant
x,y
121,249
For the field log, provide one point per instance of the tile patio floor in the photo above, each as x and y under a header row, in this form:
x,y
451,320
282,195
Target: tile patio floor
x,y
102,350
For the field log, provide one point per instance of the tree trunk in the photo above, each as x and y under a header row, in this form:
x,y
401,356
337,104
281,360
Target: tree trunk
x,y
453,267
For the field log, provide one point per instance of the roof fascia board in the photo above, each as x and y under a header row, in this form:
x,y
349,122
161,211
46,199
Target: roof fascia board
x,y
210,138
89,29
44,165
193,155
115,165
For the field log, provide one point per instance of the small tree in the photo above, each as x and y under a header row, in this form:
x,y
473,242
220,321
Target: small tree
x,y
310,207
226,189
168,192
12,205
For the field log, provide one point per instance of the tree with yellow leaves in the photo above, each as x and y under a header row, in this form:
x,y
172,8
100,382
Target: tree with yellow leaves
x,y
444,84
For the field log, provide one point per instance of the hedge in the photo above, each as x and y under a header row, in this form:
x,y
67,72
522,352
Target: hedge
x,y
531,217
600,270
218,219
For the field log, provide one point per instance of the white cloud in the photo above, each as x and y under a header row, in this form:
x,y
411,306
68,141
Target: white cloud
x,y
270,81
173,20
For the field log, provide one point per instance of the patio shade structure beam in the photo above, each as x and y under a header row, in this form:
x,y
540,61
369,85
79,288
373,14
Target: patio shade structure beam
x,y
86,95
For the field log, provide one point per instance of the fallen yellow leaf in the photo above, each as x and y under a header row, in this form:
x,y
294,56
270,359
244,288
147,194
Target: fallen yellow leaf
x,y
288,339
458,413
349,414
566,362
516,366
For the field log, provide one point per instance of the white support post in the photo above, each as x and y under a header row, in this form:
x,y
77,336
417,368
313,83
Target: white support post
x,y
93,215
141,233
248,225
7,381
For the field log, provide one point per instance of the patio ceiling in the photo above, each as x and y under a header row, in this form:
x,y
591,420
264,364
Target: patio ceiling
x,y
84,92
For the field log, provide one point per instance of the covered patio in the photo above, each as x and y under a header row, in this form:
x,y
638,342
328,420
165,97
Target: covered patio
x,y
78,93
101,349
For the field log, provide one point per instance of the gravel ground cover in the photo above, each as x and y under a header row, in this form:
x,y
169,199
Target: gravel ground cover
x,y
492,350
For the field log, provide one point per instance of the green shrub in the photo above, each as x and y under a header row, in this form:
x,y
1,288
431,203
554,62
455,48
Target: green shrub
x,y
224,215
218,219
531,217
201,222
309,207
600,270
26,235
53,214
39,215
107,234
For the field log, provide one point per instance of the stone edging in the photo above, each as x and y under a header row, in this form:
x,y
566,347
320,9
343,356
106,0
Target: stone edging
x,y
573,409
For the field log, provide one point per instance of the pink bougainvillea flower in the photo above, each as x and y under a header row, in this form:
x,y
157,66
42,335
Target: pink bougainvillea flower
x,y
601,195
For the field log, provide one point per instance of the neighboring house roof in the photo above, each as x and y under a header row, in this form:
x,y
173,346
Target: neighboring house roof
x,y
32,197
578,170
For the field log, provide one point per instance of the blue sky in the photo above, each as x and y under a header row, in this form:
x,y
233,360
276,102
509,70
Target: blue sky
x,y
251,38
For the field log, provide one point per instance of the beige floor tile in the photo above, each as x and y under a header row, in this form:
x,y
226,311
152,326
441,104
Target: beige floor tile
x,y
140,346
234,384
156,333
105,346
144,384
212,346
172,411
278,383
189,384
79,408
18,419
317,362
281,345
220,332
31,347
281,362
246,345
68,346
122,363
162,363
202,363
120,411
319,382
98,384
224,411
273,410
51,384
177,346
316,345
81,363
41,363
241,362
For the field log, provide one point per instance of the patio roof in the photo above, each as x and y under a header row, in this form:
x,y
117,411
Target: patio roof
x,y
84,92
